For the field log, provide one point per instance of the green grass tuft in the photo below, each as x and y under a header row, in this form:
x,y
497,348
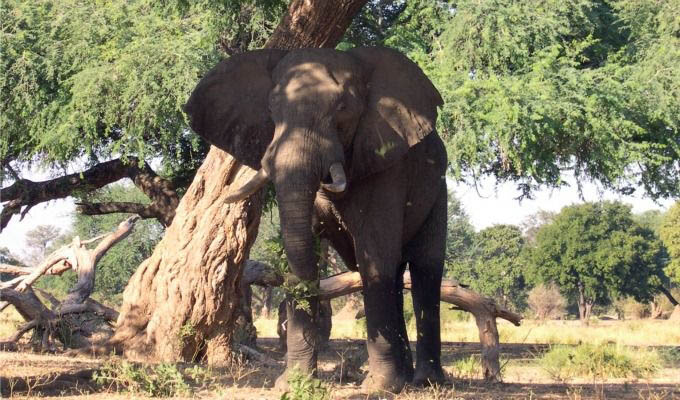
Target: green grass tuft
x,y
599,361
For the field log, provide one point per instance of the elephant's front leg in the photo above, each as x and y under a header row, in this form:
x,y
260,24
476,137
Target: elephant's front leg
x,y
301,338
390,360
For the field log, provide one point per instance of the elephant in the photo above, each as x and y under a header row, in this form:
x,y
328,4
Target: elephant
x,y
348,140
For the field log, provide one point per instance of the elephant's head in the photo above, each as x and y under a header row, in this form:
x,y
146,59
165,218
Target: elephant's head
x,y
313,118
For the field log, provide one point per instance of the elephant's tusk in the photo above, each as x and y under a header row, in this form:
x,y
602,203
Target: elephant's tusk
x,y
253,185
338,177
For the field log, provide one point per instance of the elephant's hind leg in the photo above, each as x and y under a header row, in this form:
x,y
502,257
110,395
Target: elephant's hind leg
x,y
425,254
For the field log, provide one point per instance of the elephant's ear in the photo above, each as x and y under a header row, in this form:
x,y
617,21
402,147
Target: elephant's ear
x,y
229,107
401,110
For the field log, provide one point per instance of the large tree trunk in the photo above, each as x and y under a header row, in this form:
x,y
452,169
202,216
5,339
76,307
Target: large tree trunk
x,y
181,302
585,306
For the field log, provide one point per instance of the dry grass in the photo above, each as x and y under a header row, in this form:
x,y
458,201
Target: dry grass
x,y
524,376
627,333
9,321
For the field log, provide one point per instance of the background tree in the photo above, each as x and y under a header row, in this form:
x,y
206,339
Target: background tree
x,y
494,265
650,219
533,223
546,301
6,257
459,234
595,253
38,240
669,231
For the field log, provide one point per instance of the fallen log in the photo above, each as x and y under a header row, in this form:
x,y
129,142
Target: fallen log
x,y
484,309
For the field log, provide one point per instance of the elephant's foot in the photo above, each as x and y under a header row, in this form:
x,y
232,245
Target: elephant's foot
x,y
379,382
281,384
428,374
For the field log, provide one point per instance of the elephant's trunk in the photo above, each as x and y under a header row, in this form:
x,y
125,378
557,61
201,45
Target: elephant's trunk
x,y
299,159
295,192
295,210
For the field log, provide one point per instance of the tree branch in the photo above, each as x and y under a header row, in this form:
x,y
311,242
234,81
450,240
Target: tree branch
x,y
668,294
88,259
27,193
143,210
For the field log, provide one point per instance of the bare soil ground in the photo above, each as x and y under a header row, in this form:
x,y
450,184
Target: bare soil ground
x,y
29,375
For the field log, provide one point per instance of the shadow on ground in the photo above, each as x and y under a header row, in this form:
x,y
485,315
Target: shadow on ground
x,y
341,363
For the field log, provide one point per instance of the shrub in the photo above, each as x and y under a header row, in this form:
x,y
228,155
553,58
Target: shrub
x,y
305,387
599,361
631,309
161,380
546,302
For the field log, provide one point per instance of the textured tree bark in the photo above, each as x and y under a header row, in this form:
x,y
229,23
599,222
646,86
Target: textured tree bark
x,y
181,302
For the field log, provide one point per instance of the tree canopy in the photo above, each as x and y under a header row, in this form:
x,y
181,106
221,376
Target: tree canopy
x,y
596,253
670,235
86,81
587,86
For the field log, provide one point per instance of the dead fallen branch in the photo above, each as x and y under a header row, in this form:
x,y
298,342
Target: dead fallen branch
x,y
261,357
18,291
484,309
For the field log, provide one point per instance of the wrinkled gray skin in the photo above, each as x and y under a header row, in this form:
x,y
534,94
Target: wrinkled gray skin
x,y
293,115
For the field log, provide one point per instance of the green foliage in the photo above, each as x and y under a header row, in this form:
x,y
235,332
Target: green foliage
x,y
305,387
6,257
650,219
459,231
599,361
160,380
300,290
98,79
598,249
532,89
120,261
94,80
670,235
495,264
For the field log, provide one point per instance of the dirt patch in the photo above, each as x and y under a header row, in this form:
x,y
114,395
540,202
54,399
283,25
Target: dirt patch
x,y
342,366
